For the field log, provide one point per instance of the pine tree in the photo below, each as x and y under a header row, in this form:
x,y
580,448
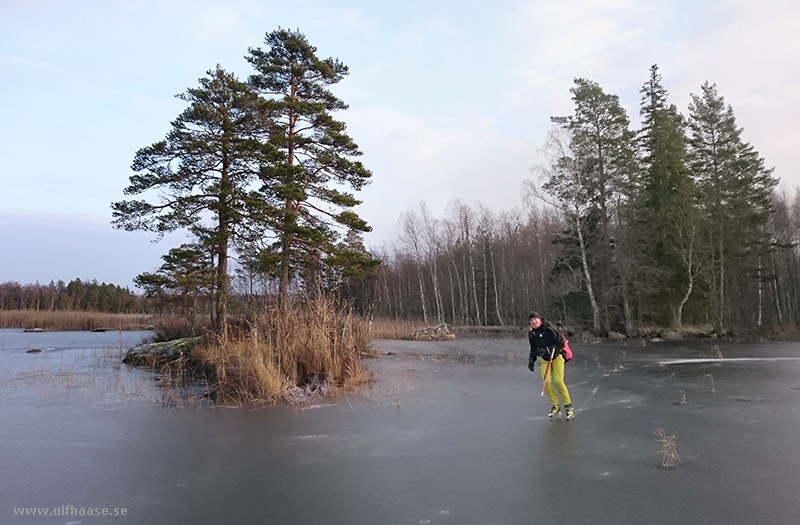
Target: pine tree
x,y
186,276
736,188
305,204
202,172
596,170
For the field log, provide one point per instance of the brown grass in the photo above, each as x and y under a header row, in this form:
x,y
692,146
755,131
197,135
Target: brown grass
x,y
72,320
290,353
669,451
401,328
392,328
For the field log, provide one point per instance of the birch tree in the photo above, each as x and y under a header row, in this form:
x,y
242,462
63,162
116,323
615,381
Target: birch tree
x,y
412,238
590,162
567,190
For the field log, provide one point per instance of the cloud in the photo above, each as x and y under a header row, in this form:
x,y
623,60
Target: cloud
x,y
751,51
354,19
448,100
435,160
549,44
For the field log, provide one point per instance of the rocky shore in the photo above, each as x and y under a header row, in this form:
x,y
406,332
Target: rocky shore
x,y
154,355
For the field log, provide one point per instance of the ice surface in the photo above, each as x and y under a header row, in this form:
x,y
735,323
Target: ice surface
x,y
451,432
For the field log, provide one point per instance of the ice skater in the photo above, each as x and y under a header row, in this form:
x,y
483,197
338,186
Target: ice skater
x,y
547,345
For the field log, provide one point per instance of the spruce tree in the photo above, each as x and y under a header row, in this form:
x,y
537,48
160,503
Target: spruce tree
x,y
666,222
736,188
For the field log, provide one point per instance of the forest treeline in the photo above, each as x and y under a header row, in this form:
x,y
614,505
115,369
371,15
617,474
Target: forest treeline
x,y
480,267
677,223
77,295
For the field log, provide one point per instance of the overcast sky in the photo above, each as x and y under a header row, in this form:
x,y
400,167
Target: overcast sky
x,y
448,99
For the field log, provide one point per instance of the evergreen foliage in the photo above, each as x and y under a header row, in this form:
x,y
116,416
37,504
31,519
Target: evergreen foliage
x,y
257,169
590,178
676,222
737,189
637,231
666,217
305,195
87,296
203,173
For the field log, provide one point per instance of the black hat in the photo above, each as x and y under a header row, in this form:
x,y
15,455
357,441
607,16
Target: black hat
x,y
533,314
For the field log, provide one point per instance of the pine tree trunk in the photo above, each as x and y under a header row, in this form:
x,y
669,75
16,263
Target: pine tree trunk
x,y
222,294
776,288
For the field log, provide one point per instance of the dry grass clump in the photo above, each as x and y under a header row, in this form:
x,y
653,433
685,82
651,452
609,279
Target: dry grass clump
x,y
713,386
72,320
242,371
289,352
669,452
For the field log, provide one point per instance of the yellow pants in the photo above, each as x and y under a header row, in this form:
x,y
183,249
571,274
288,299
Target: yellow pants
x,y
556,376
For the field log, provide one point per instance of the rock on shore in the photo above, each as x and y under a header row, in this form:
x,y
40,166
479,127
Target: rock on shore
x,y
156,354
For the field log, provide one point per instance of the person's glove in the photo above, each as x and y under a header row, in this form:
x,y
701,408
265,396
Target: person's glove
x,y
531,364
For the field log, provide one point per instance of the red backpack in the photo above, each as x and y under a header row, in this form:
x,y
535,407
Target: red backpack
x,y
566,351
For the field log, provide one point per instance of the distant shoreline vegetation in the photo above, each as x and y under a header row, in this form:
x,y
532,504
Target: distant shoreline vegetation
x,y
172,326
74,306
77,295
69,321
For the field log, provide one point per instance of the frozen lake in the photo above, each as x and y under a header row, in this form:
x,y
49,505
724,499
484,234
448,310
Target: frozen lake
x,y
450,433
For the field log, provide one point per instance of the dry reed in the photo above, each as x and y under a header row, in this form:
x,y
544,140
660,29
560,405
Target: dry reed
x,y
290,353
392,328
72,320
669,452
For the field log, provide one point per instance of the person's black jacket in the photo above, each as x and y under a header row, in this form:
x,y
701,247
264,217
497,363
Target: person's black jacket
x,y
542,340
